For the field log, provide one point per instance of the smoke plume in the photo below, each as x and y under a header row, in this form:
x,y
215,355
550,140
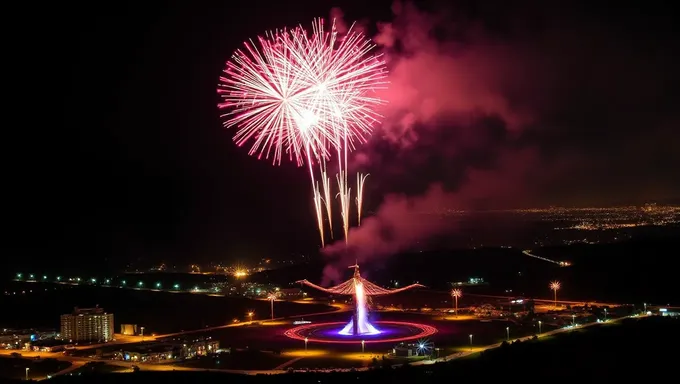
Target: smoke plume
x,y
480,117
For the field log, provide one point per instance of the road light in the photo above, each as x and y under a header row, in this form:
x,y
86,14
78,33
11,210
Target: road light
x,y
507,332
539,327
306,340
142,333
250,315
363,345
471,342
158,285
573,320
27,369
176,286
645,304
272,298
554,286
455,294
605,314
58,278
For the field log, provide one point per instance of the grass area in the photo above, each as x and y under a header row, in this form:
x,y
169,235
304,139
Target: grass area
x,y
238,360
329,362
100,367
15,368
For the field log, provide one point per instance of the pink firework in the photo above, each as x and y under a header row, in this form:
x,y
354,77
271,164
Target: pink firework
x,y
296,92
304,95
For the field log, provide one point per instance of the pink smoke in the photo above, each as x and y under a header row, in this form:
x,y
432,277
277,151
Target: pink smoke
x,y
431,80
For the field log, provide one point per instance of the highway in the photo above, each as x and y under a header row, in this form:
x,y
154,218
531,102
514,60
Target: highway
x,y
551,301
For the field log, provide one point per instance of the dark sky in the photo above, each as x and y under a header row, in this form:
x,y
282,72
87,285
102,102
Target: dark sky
x,y
114,147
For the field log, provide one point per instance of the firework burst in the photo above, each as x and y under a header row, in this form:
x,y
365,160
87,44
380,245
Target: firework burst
x,y
304,95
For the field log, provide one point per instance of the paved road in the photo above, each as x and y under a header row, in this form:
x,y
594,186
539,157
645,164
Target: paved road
x,y
550,301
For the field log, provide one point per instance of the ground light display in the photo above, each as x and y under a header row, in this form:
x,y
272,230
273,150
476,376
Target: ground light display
x,y
359,328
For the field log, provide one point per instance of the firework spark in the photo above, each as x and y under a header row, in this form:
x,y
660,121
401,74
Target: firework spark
x,y
326,183
344,194
319,212
304,94
361,179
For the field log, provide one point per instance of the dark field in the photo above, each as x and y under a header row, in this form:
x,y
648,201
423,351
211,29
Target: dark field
x,y
15,368
633,271
40,305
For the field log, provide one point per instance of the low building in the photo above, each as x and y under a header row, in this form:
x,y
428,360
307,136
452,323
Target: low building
x,y
149,352
169,349
290,293
49,345
199,347
87,324
128,329
405,350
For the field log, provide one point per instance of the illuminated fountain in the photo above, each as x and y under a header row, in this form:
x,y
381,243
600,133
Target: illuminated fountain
x,y
361,290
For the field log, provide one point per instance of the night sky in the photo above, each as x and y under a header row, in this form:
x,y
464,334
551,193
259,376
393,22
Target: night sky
x,y
114,148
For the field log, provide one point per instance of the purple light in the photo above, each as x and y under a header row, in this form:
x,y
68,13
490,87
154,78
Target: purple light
x,y
364,327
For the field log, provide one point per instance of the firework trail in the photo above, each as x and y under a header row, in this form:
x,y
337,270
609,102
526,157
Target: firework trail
x,y
361,179
344,195
326,183
319,213
302,95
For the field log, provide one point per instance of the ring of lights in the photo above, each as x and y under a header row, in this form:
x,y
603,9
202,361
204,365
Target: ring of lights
x,y
307,333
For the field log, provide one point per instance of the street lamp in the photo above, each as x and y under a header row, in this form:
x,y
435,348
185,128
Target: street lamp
x,y
573,320
27,369
306,340
605,314
142,333
507,332
554,286
272,298
363,344
250,315
455,294
539,327
471,342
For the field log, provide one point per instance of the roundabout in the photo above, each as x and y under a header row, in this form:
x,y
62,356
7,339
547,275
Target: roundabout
x,y
390,332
